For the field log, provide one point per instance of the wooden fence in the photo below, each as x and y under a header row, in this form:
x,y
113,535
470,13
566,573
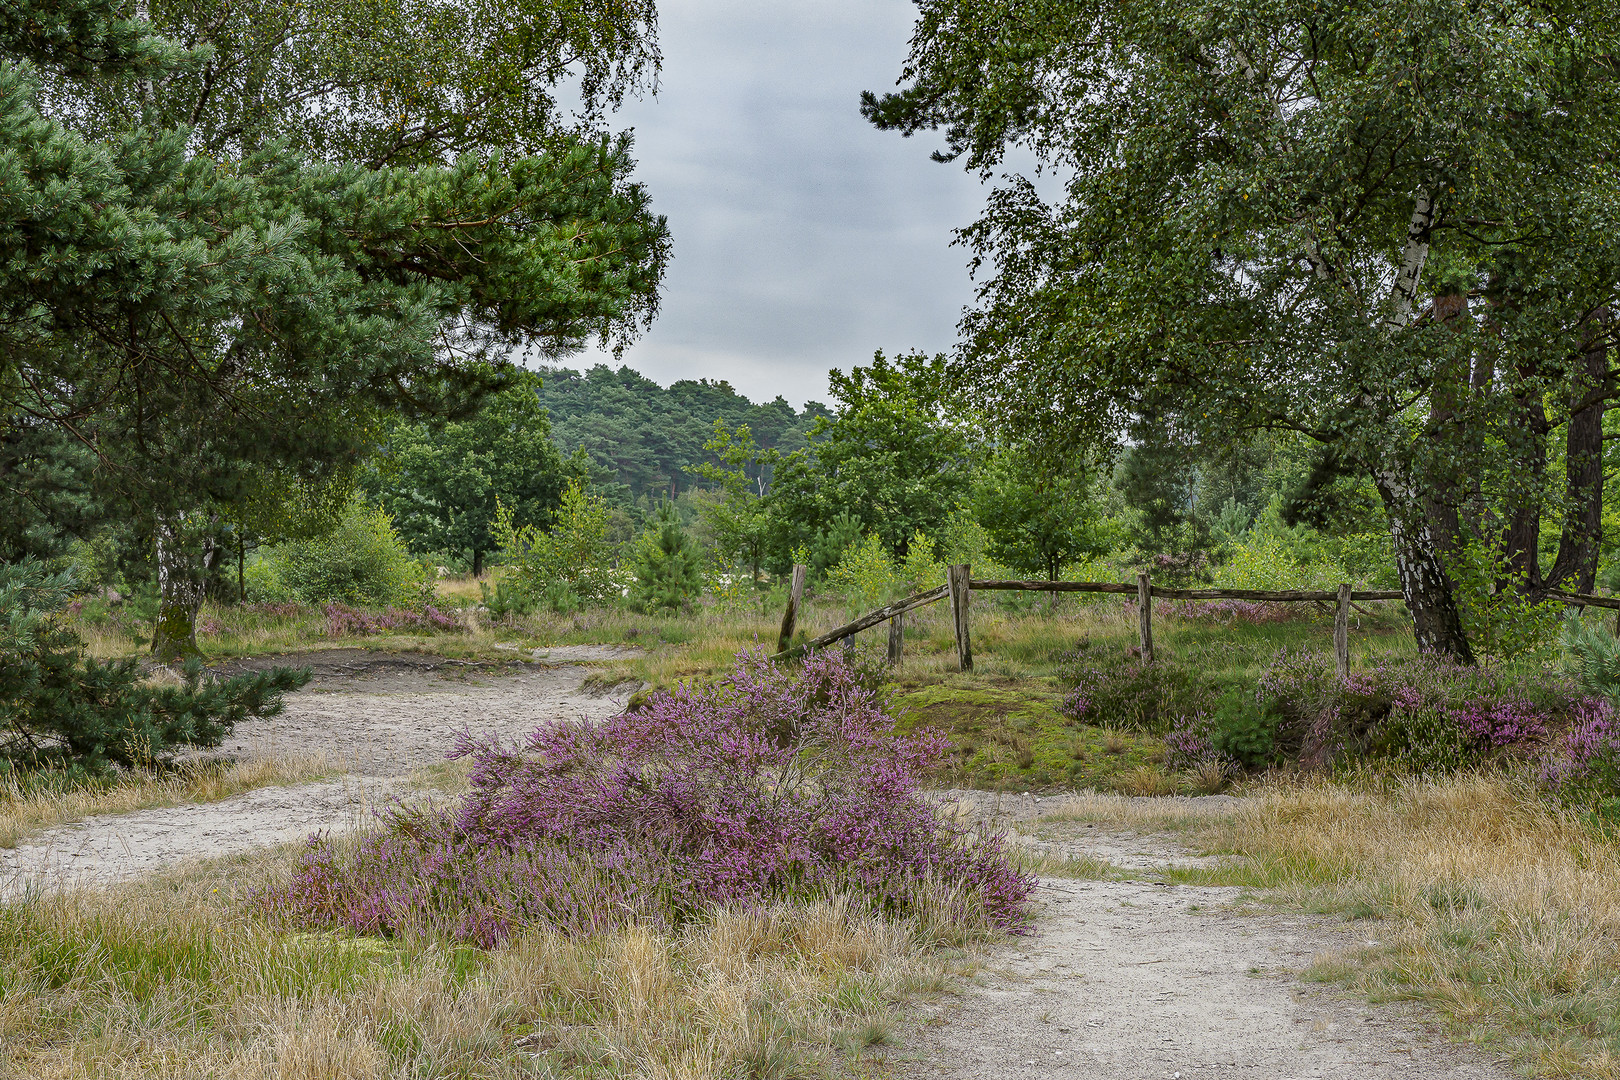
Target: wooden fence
x,y
959,587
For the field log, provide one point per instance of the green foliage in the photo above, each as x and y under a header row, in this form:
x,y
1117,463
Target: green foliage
x,y
867,575
61,709
735,519
667,565
1242,730
1501,623
360,561
1592,655
921,570
566,566
894,459
1038,515
441,482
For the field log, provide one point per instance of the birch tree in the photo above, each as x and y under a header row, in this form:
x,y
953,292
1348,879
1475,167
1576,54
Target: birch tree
x,y
1390,227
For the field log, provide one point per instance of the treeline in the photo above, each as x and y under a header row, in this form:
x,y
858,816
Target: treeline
x,y
643,439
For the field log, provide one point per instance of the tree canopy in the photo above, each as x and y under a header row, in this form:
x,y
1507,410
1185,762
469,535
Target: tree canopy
x,y
192,301
1391,227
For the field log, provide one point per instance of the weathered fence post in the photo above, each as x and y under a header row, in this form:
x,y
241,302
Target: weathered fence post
x,y
1144,614
790,617
897,637
959,579
1341,632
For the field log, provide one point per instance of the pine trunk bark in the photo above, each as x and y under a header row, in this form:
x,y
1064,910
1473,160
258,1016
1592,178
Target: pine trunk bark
x,y
1436,622
1575,568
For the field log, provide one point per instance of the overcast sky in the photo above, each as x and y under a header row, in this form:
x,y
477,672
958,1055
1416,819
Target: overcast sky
x,y
804,238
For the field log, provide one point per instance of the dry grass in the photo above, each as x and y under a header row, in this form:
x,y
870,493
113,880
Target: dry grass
x,y
1487,902
32,803
176,977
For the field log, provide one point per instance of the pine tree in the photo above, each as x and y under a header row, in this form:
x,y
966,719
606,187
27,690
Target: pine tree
x,y
668,565
197,319
62,709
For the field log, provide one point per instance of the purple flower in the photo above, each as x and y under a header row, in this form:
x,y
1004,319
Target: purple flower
x,y
775,783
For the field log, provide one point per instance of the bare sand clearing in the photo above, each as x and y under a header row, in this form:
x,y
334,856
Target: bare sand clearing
x,y
376,717
1117,980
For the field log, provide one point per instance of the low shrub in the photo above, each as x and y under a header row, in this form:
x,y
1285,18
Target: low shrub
x,y
362,561
1422,713
1242,731
772,784
345,621
1123,689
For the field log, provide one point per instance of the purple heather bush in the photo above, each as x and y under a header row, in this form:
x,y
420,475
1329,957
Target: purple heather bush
x,y
343,620
1586,754
774,783
1427,713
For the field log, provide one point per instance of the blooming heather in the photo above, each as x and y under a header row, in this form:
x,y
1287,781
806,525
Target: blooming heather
x,y
774,783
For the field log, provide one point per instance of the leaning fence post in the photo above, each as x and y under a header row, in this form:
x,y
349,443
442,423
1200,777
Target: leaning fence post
x,y
959,579
1341,632
1144,614
790,617
897,636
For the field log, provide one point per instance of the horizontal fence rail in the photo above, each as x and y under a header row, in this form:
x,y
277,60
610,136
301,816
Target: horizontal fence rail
x,y
1144,592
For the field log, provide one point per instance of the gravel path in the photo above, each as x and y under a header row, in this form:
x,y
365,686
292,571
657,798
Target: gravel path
x,y
377,718
1134,980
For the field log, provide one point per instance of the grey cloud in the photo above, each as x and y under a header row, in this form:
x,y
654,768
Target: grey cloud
x,y
804,239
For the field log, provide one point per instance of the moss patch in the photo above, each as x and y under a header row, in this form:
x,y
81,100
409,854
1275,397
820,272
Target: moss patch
x,y
1009,735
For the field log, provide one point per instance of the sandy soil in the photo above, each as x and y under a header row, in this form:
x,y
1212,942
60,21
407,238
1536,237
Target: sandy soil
x,y
376,717
1138,979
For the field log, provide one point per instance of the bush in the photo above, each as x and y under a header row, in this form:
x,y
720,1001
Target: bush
x,y
1124,689
362,561
1241,731
565,567
775,784
866,574
62,709
1425,714
668,566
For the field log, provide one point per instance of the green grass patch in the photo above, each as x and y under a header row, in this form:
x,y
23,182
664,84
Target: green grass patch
x,y
1008,735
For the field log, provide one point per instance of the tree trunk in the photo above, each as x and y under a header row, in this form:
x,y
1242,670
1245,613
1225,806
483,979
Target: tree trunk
x,y
1575,568
182,583
478,563
1521,539
1436,624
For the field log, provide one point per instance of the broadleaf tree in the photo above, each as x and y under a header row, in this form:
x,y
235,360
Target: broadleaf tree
x,y
1389,227
441,481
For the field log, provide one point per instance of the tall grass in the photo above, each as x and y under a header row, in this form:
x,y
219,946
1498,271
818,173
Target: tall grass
x,y
175,978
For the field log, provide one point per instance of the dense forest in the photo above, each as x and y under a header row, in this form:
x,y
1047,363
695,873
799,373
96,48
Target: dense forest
x,y
645,439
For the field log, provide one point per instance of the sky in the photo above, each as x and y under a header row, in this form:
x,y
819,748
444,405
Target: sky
x,y
804,238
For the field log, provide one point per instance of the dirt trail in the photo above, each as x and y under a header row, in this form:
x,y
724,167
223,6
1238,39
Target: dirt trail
x,y
376,717
1136,979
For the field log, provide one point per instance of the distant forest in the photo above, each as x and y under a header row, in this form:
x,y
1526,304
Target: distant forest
x,y
642,438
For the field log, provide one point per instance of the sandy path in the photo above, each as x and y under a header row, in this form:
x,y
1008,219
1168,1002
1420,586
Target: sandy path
x,y
1136,980
376,719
